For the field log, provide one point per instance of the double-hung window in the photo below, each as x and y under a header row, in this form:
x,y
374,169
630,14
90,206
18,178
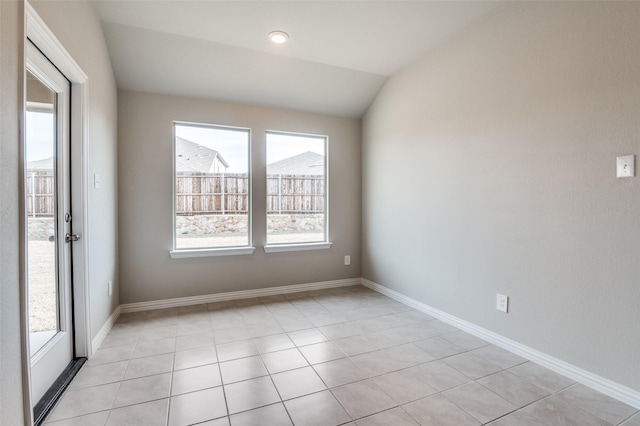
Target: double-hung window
x,y
212,196
296,190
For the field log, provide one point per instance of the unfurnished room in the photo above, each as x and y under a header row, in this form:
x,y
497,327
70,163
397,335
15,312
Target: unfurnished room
x,y
324,212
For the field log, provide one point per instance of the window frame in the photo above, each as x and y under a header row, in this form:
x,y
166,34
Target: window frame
x,y
177,253
311,245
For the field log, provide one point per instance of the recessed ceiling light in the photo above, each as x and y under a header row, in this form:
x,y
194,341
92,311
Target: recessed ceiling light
x,y
278,37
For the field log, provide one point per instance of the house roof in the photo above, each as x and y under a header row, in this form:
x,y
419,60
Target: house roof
x,y
307,163
45,164
193,157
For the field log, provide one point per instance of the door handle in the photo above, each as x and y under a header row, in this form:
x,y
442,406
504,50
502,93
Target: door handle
x,y
71,237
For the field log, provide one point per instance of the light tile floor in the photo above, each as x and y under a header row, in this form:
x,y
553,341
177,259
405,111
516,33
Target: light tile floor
x,y
330,357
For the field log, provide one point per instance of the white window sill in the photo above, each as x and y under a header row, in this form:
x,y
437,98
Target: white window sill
x,y
277,248
209,252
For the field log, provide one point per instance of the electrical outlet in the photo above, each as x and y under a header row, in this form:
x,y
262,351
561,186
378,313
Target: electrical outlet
x,y
110,287
502,303
347,260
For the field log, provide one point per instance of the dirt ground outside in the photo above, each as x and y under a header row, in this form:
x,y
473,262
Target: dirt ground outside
x,y
240,239
42,286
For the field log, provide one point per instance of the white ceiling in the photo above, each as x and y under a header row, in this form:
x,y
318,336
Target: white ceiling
x,y
338,56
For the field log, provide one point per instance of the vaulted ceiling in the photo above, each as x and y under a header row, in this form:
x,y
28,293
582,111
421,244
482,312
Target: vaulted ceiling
x,y
338,56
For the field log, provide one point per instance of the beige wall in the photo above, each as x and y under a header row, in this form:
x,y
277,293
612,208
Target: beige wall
x,y
77,27
509,134
145,198
11,74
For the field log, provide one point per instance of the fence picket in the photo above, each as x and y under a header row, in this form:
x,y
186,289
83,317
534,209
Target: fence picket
x,y
207,193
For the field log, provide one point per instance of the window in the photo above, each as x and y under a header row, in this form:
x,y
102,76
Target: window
x,y
296,188
212,187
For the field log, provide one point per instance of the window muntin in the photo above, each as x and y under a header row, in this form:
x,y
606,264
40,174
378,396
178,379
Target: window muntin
x,y
296,188
212,195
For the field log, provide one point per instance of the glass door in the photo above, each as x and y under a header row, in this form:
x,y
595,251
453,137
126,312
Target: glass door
x,y
47,215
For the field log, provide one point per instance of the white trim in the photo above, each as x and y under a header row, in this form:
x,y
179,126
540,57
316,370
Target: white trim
x,y
104,330
44,349
598,383
39,107
209,298
327,192
80,209
278,248
224,251
227,251
40,34
235,295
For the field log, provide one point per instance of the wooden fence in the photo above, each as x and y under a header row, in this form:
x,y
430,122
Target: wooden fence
x,y
40,188
211,193
228,193
288,194
208,193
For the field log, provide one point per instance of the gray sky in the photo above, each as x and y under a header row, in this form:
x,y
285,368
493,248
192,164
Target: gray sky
x,y
233,144
280,146
40,135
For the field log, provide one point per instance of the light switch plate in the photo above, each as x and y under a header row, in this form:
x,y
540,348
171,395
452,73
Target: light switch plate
x,y
96,181
626,166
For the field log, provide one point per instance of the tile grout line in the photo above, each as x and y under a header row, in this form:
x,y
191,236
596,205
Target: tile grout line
x,y
271,378
224,392
316,326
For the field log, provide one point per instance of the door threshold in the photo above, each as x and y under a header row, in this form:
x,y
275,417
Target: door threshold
x,y
51,396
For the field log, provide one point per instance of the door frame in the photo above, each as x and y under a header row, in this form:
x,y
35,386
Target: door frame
x,y
53,353
40,34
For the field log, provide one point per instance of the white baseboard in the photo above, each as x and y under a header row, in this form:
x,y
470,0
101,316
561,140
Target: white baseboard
x,y
209,298
235,295
601,384
598,383
104,330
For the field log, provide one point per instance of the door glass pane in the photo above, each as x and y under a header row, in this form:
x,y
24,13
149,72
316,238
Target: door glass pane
x,y
41,211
